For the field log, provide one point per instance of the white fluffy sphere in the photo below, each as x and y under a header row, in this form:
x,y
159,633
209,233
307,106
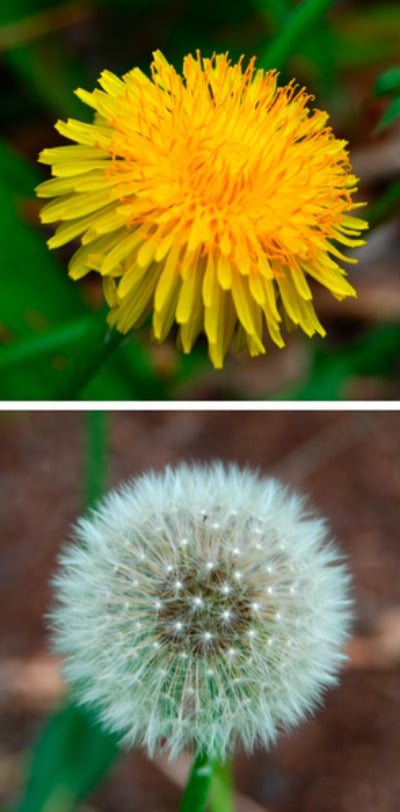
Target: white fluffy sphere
x,y
203,606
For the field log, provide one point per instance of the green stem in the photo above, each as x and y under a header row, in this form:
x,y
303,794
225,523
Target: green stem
x,y
299,22
200,778
221,793
96,452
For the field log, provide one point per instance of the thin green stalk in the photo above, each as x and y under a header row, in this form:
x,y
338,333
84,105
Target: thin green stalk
x,y
299,22
197,788
222,790
96,452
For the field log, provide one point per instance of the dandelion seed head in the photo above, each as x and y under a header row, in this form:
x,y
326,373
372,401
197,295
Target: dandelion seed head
x,y
221,660
208,198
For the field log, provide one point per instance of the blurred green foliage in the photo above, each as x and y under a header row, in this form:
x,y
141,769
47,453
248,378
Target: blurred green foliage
x,y
47,49
73,752
389,83
71,756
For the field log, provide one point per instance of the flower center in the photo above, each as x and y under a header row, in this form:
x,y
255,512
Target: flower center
x,y
216,170
232,156
204,610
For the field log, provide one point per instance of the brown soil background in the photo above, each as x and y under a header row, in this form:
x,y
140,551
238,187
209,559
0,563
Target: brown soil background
x,y
347,757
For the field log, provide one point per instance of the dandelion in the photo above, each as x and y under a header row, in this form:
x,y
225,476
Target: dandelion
x,y
201,607
207,199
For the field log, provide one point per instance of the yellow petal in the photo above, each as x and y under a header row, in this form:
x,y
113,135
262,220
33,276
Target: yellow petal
x,y
224,271
125,246
244,304
166,290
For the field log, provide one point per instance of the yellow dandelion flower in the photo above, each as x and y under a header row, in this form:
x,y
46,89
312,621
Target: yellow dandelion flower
x,y
207,199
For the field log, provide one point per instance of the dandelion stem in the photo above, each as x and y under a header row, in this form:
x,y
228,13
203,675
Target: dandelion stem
x,y
221,793
302,18
197,788
96,436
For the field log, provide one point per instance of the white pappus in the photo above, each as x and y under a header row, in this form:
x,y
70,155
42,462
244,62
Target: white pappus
x,y
204,606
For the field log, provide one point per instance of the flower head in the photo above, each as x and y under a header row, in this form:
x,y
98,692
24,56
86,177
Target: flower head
x,y
202,606
208,199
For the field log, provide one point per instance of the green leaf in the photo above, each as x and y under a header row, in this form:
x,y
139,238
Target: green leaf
x,y
50,77
131,373
390,115
299,23
36,291
388,82
71,757
70,361
35,288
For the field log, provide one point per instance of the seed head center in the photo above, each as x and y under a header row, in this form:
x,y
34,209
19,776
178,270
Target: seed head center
x,y
204,609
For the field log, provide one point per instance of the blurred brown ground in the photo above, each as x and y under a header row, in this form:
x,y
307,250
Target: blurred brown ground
x,y
344,759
